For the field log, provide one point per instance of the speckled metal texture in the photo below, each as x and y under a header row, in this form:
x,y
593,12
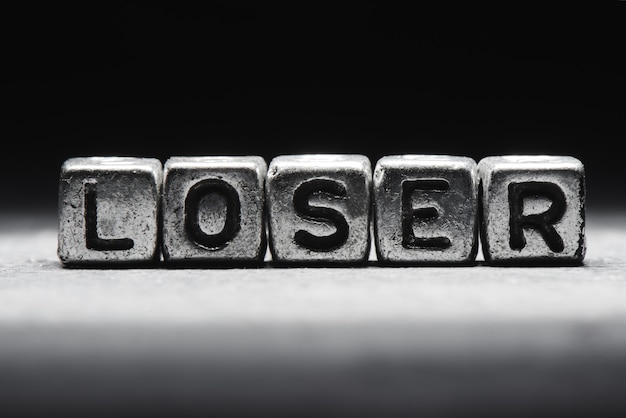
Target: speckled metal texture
x,y
214,210
425,209
319,208
533,209
109,210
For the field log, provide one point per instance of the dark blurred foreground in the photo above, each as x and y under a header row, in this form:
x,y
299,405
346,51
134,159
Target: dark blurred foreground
x,y
333,342
383,369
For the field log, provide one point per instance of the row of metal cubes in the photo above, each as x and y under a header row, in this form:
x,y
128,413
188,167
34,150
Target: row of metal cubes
x,y
321,209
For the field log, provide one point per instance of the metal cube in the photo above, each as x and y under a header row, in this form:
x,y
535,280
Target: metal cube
x,y
109,210
425,209
533,209
214,210
319,208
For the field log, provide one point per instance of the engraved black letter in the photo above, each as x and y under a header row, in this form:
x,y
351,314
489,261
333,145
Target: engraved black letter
x,y
320,214
232,222
409,215
542,222
93,241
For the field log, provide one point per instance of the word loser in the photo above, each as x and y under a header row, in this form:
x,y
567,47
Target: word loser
x,y
321,209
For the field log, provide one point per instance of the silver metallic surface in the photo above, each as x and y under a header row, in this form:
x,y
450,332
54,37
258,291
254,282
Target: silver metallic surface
x,y
287,174
108,210
497,173
244,176
445,189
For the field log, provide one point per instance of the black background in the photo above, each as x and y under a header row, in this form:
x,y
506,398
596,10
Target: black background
x,y
268,78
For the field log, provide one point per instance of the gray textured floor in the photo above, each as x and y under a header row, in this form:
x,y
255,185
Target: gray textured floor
x,y
296,342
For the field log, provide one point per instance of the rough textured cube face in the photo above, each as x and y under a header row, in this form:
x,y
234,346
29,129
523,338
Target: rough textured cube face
x,y
533,209
426,209
319,208
214,210
109,210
